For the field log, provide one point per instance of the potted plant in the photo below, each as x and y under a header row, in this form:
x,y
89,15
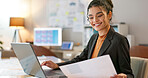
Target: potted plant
x,y
1,48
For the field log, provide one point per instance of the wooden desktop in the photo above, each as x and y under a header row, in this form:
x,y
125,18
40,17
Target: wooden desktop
x,y
11,68
139,51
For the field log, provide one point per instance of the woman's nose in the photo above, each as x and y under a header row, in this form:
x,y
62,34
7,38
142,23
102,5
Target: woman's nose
x,y
95,19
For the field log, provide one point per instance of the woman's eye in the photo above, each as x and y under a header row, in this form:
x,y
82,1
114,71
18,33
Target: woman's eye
x,y
90,17
100,15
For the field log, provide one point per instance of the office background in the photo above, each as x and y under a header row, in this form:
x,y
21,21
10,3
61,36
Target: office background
x,y
36,14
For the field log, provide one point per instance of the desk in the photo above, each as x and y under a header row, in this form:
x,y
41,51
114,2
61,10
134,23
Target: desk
x,y
8,53
66,54
11,68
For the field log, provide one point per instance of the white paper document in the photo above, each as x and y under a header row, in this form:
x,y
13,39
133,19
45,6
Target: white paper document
x,y
100,67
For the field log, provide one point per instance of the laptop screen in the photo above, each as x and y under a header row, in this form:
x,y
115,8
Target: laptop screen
x,y
28,59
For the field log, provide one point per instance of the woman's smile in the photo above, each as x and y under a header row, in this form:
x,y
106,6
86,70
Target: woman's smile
x,y
98,24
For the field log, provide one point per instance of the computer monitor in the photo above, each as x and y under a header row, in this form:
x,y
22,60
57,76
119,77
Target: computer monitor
x,y
121,28
48,36
115,27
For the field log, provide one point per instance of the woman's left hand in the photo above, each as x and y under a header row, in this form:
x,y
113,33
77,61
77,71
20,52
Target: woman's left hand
x,y
121,75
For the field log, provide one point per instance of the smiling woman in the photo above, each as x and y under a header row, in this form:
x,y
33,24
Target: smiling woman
x,y
105,42
99,19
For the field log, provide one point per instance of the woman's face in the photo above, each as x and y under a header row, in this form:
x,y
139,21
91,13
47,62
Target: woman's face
x,y
98,18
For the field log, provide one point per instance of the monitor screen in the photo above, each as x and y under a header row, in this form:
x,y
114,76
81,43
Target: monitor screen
x,y
48,36
115,27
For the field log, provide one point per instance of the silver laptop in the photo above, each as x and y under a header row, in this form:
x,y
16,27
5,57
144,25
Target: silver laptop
x,y
30,63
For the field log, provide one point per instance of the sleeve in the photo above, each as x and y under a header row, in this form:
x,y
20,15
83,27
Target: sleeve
x,y
124,58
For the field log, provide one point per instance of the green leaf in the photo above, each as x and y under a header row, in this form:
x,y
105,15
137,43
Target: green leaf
x,y
1,48
1,42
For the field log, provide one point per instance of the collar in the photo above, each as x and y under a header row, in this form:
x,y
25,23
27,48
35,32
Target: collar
x,y
105,44
110,33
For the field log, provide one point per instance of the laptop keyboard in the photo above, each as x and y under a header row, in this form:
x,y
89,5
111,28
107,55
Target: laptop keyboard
x,y
54,74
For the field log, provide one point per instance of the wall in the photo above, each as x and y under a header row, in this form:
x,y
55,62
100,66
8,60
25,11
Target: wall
x,y
39,17
68,35
135,14
12,8
132,12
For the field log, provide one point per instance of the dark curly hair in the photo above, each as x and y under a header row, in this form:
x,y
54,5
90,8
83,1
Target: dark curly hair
x,y
107,5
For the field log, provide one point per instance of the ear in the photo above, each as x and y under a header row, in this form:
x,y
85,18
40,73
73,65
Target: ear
x,y
109,15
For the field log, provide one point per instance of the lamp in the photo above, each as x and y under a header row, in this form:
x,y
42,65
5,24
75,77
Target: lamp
x,y
17,23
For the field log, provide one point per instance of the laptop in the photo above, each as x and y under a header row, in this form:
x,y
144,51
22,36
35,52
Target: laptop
x,y
30,63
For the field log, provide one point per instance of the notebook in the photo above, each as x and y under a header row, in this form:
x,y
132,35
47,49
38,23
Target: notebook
x,y
30,63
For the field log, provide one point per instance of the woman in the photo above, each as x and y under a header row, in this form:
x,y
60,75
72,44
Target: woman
x,y
107,41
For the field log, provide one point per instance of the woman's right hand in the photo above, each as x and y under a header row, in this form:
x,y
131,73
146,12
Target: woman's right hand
x,y
50,64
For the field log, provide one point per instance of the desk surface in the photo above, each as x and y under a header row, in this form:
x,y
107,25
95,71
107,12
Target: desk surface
x,y
66,54
11,68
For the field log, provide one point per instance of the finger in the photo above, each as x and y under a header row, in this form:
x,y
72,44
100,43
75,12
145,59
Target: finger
x,y
48,65
44,63
111,77
116,76
119,76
